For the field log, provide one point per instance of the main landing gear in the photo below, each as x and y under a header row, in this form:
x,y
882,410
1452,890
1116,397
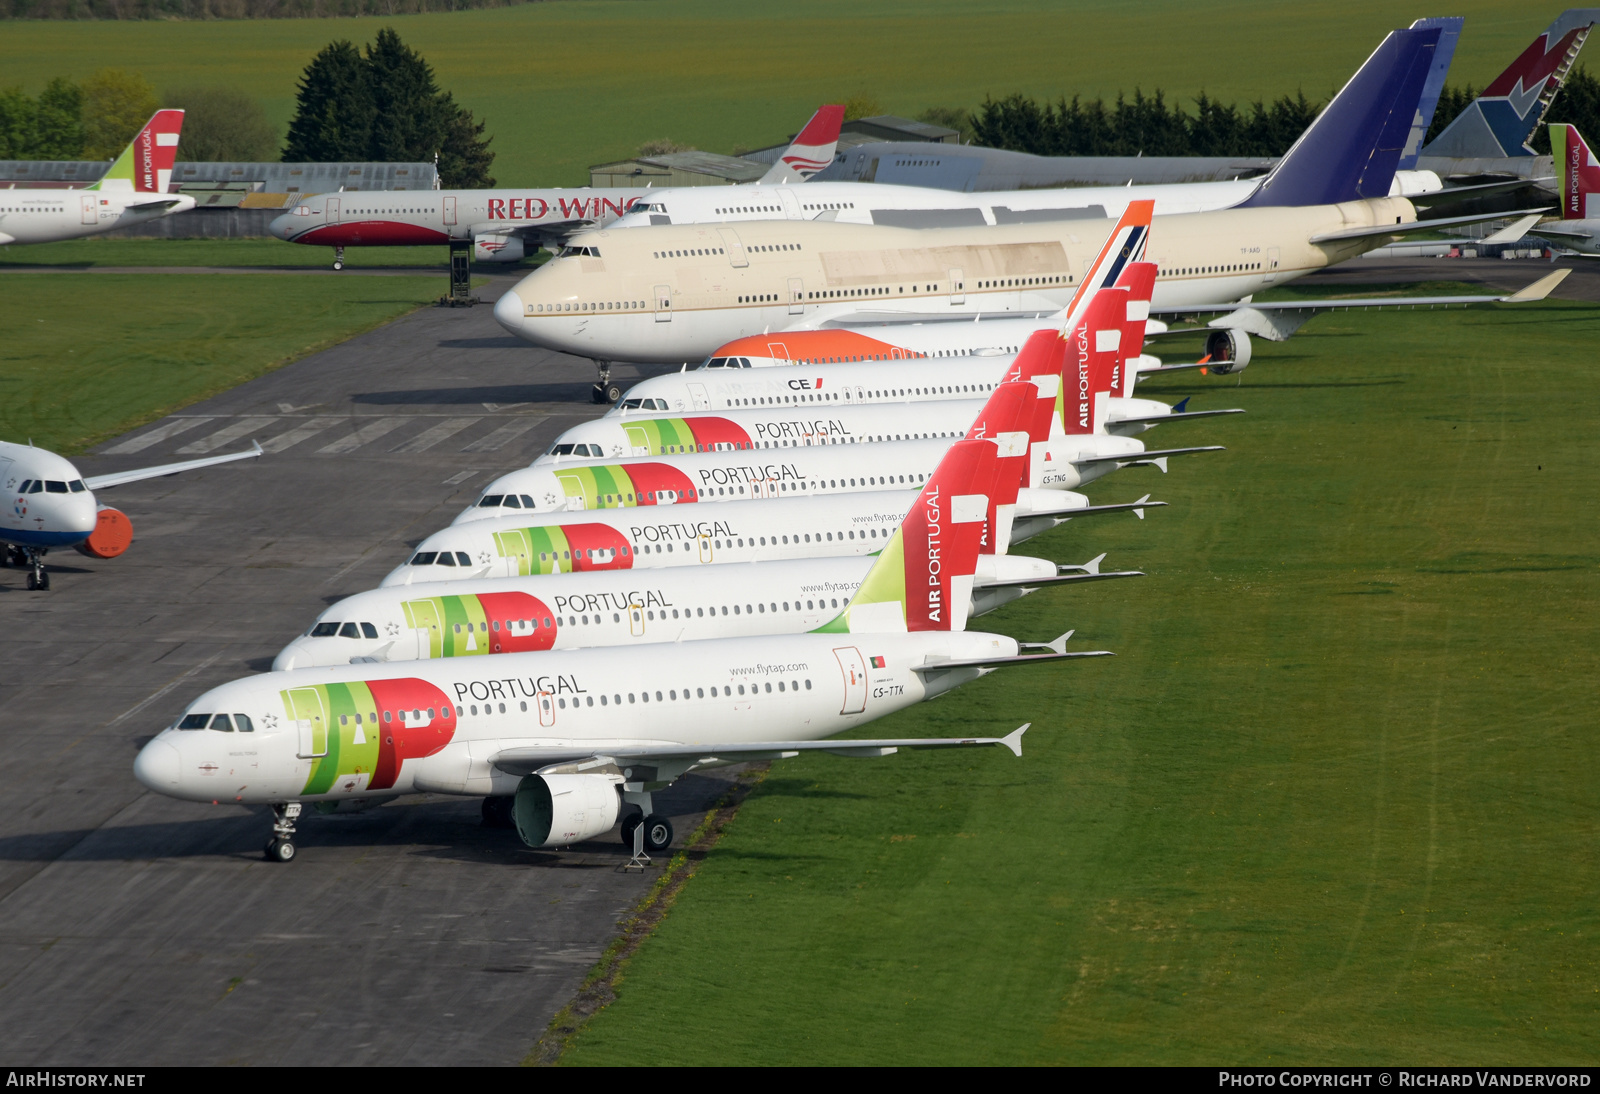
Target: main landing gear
x,y
605,392
657,832
280,848
497,812
33,559
338,258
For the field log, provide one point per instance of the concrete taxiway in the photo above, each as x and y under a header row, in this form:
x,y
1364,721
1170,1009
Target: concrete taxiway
x,y
139,930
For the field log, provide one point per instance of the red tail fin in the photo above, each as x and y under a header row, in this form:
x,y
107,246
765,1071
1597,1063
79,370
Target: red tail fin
x,y
1093,348
1008,420
1140,281
1578,172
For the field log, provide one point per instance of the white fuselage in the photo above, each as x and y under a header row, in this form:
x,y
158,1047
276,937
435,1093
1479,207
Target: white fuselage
x,y
377,730
44,216
515,543
677,294
46,503
484,617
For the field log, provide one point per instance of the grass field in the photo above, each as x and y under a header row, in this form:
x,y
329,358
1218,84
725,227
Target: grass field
x,y
566,85
158,343
1332,802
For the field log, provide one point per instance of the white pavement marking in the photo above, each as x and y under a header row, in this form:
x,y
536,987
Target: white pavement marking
x,y
462,476
365,435
434,434
153,696
502,436
240,428
143,441
299,433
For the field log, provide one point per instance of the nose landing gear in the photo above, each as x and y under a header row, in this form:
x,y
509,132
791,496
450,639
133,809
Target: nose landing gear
x,y
338,260
33,559
605,392
280,848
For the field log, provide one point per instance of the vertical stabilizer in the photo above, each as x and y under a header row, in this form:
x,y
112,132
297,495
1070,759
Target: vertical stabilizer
x,y
1008,420
1125,244
811,151
1350,152
922,580
1577,173
1140,281
1449,28
145,166
1500,122
1092,351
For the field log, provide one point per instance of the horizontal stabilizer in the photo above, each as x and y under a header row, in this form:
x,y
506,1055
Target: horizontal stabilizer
x,y
1137,508
998,662
1419,226
1151,455
120,478
1181,417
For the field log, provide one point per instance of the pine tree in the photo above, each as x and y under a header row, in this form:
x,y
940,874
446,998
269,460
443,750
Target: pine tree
x,y
334,109
410,124
464,158
1577,103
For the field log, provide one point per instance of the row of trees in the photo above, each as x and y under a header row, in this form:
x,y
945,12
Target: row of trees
x,y
385,105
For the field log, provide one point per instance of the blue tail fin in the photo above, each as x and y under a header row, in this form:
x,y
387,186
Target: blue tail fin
x,y
1351,150
1449,32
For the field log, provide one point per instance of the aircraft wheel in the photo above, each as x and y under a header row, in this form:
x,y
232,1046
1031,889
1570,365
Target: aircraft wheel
x,y
44,581
613,393
657,834
33,581
630,824
338,263
279,850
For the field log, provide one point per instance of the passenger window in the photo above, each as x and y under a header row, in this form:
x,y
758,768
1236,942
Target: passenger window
x,y
324,630
247,726
194,721
349,630
222,722
369,631
424,558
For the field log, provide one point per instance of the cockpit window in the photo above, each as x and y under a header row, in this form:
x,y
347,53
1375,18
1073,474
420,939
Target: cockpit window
x,y
76,486
424,558
194,721
445,559
36,487
222,722
512,502
55,487
717,362
490,501
245,725
369,631
461,558
527,502
349,630
324,630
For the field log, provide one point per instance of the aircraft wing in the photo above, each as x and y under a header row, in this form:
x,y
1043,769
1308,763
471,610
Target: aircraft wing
x,y
536,229
1058,579
1479,190
1557,233
1157,419
121,478
528,760
154,203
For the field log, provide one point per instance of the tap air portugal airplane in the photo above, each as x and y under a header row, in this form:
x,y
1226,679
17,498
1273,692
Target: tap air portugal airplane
x,y
596,608
573,737
132,191
49,504
507,225
677,293
1578,173
694,470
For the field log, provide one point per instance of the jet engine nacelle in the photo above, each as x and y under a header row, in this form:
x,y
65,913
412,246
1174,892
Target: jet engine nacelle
x,y
555,810
498,248
112,534
1230,346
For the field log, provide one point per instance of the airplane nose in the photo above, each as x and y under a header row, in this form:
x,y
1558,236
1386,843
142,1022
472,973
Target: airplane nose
x,y
288,657
157,767
281,226
508,311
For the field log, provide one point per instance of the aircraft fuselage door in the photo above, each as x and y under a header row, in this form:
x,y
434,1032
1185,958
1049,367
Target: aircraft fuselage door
x,y
89,208
791,204
638,440
735,248
797,296
853,668
330,210
1272,265
449,210
697,392
663,303
779,351
958,287
705,549
311,720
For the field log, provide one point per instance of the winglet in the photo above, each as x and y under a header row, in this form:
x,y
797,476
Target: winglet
x,y
1058,646
1513,231
1140,512
1539,289
1092,566
1013,740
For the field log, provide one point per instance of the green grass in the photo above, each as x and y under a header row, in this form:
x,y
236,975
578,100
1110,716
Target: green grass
x,y
85,358
213,252
1332,802
563,86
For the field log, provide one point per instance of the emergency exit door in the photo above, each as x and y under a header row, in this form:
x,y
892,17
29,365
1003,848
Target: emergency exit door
x,y
88,209
853,668
663,303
